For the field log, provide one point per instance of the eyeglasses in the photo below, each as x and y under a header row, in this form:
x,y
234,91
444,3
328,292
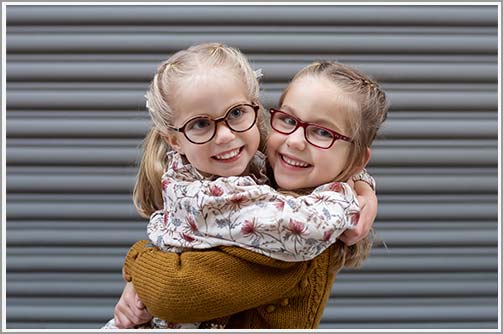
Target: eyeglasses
x,y
315,135
202,129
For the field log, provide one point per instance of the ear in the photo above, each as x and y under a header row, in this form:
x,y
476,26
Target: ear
x,y
366,158
358,166
172,139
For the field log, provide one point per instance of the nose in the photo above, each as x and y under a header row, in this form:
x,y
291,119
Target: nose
x,y
296,139
223,134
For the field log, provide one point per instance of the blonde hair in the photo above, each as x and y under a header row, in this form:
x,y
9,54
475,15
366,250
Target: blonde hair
x,y
170,76
368,108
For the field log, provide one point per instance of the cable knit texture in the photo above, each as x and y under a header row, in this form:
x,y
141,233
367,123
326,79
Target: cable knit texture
x,y
255,291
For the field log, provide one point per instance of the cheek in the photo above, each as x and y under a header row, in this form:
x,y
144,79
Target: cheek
x,y
255,138
195,154
272,144
176,142
333,163
275,139
200,160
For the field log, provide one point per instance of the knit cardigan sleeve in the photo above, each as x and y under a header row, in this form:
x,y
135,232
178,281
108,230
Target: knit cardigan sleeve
x,y
203,285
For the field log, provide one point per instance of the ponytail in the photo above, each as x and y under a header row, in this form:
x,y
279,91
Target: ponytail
x,y
147,193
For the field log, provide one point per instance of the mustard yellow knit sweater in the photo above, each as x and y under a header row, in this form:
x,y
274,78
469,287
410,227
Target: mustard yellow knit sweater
x,y
254,290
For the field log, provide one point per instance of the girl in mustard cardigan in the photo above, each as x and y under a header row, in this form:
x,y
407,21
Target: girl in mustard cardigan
x,y
283,147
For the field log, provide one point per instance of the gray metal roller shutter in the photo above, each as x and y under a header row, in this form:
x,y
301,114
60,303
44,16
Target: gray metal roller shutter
x,y
76,76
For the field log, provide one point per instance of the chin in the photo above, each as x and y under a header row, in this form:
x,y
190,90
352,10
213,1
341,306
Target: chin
x,y
233,172
286,185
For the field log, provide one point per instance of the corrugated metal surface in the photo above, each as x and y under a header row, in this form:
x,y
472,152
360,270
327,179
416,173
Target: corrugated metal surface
x,y
76,76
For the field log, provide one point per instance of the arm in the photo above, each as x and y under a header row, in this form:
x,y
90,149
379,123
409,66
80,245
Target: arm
x,y
202,285
235,211
368,205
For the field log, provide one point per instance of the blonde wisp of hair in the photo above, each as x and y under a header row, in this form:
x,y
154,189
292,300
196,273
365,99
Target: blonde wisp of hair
x,y
171,75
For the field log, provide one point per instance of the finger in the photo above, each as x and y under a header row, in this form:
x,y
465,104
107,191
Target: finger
x,y
142,314
122,322
130,316
351,237
139,304
118,317
137,315
348,238
144,317
121,318
348,241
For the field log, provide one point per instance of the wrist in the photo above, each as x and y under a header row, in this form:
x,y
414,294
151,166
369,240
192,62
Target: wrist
x,y
364,176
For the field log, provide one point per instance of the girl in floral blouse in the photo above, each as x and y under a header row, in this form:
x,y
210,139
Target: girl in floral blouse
x,y
202,211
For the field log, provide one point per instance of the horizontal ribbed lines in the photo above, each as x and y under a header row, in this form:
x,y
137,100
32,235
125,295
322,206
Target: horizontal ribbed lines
x,y
424,16
76,116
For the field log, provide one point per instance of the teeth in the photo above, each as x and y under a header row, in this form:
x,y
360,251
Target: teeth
x,y
228,155
294,162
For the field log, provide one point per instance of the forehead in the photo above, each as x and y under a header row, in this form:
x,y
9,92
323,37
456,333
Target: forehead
x,y
318,100
210,93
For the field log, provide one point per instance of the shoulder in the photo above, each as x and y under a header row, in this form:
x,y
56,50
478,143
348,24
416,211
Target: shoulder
x,y
257,259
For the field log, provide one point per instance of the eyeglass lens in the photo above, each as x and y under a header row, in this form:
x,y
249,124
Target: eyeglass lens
x,y
239,118
315,135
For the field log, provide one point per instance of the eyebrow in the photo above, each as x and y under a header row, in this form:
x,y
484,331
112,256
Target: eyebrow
x,y
221,115
319,121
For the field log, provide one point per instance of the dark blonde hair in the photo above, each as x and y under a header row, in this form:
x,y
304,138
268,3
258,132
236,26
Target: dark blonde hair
x,y
368,109
365,100
171,75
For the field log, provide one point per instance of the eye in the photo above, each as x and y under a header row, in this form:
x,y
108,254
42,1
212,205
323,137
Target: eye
x,y
199,124
287,120
322,133
235,113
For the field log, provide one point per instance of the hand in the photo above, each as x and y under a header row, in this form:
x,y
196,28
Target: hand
x,y
368,206
130,311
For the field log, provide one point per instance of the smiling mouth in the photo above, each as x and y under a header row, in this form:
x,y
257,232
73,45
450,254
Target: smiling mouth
x,y
294,163
228,155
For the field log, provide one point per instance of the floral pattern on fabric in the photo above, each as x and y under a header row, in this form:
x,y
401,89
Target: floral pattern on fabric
x,y
239,211
156,323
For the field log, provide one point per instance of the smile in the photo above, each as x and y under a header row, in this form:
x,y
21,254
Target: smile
x,y
229,154
293,162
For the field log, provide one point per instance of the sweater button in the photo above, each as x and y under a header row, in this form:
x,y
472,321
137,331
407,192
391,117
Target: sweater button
x,y
303,284
284,302
270,308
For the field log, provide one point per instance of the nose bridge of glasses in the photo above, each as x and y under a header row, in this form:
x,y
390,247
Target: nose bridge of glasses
x,y
297,139
299,131
299,124
220,120
221,126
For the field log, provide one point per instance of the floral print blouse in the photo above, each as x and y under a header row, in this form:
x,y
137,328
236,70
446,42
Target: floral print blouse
x,y
243,211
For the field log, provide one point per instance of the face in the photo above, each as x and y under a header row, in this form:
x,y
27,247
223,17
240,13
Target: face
x,y
296,163
211,95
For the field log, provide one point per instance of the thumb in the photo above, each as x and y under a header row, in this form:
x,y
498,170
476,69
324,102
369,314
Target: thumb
x,y
138,302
